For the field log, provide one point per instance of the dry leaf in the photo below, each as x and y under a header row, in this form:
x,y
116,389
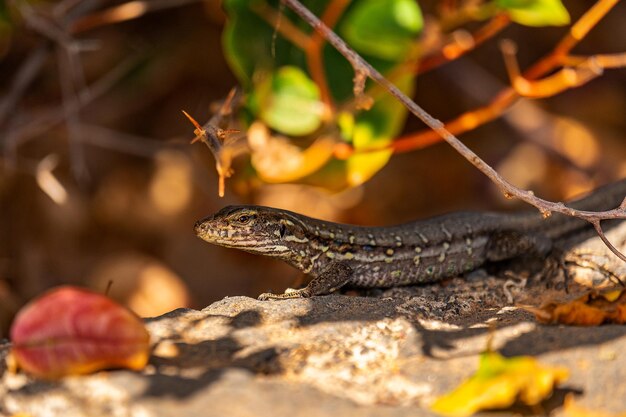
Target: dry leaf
x,y
591,309
498,383
276,159
74,331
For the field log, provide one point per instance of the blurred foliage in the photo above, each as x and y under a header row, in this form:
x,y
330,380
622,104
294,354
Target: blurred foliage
x,y
536,12
274,72
277,74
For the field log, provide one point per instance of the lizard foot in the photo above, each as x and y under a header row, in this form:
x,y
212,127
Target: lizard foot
x,y
289,293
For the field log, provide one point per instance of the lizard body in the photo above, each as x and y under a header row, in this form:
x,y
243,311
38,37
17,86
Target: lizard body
x,y
418,252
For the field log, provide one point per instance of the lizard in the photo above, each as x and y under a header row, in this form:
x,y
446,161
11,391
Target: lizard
x,y
420,252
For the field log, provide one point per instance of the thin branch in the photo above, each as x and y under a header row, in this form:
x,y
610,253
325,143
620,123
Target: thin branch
x,y
218,139
69,73
42,25
503,100
456,49
479,84
605,61
598,227
576,33
314,51
42,122
361,66
588,67
287,29
24,76
30,68
564,79
124,142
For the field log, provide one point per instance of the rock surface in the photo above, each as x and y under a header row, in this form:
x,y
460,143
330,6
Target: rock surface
x,y
386,354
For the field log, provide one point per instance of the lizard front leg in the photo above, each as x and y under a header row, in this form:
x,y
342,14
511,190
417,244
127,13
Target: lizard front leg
x,y
334,276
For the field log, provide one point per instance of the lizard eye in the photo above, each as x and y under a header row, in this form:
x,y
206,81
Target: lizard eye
x,y
244,219
282,230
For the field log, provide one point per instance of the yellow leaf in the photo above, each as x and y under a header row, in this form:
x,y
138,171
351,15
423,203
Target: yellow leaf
x,y
361,167
498,383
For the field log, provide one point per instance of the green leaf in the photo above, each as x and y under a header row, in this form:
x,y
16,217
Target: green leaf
x,y
280,93
289,102
383,29
536,12
249,42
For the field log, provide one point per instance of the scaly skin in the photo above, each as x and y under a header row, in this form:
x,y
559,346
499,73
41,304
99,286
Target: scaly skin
x,y
413,253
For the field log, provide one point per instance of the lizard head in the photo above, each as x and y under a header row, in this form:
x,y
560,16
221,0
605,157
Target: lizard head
x,y
255,229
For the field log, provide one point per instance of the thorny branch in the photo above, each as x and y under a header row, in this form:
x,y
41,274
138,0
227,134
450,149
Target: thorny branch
x,y
545,207
218,139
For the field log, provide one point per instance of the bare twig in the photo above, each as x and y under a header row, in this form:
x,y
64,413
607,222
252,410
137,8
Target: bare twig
x,y
51,117
70,71
24,76
598,227
314,51
361,66
68,75
103,137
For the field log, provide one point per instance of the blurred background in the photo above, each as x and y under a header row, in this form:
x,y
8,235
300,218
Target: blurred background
x,y
99,182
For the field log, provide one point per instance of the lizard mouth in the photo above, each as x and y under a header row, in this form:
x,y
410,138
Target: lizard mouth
x,y
212,231
207,229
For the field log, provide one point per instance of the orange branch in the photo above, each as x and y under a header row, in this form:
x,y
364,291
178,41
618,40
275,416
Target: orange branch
x,y
561,80
314,50
283,25
465,122
606,61
460,46
474,118
577,32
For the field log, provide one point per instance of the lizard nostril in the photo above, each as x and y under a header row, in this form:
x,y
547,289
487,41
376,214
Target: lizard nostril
x,y
197,228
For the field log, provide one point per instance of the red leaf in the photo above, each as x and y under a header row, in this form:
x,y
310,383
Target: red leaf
x,y
74,331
